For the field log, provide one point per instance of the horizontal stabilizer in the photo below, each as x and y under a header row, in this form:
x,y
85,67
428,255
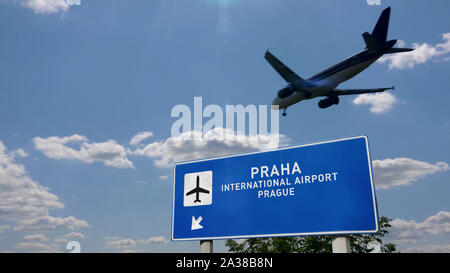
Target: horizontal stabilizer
x,y
399,50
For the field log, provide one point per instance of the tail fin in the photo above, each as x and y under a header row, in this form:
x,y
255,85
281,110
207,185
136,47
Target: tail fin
x,y
371,42
378,38
381,28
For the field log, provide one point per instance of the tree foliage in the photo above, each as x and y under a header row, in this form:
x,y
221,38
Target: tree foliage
x,y
359,243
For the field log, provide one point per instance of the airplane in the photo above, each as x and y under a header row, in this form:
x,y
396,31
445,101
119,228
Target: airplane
x,y
197,191
324,83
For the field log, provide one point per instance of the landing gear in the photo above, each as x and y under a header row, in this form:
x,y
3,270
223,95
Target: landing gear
x,y
284,112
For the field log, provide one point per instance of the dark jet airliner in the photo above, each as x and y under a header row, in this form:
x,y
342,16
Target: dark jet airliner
x,y
324,83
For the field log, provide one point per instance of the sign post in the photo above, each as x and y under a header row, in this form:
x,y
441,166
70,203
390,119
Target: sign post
x,y
324,188
340,244
206,246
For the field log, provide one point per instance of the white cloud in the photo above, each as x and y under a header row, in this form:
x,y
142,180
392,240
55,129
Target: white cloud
x,y
187,146
128,251
192,145
68,237
36,237
37,247
120,243
4,227
403,171
49,223
128,245
154,240
139,137
46,6
110,152
26,203
19,153
422,54
379,102
21,197
428,249
411,231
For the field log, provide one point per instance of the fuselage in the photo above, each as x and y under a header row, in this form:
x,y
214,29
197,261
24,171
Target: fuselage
x,y
327,80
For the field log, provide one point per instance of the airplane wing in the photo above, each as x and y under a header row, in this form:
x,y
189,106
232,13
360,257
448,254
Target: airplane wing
x,y
284,71
197,190
341,92
202,190
191,192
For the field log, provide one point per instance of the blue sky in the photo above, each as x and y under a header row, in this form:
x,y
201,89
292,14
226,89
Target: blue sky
x,y
79,82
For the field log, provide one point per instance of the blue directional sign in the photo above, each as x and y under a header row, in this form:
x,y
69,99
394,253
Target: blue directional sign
x,y
318,189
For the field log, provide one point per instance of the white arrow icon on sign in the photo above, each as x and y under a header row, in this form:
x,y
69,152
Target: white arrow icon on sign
x,y
196,223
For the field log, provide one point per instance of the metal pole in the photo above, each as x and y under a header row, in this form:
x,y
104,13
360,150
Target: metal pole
x,y
206,246
340,244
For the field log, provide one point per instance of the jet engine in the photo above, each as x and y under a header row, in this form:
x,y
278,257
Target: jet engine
x,y
325,103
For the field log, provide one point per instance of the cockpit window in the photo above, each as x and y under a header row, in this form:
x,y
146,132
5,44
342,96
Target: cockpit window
x,y
285,92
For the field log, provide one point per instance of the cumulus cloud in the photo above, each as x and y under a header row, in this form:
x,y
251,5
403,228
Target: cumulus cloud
x,y
26,203
379,102
77,147
120,243
47,6
36,237
21,197
411,231
37,247
49,223
428,249
128,245
3,228
193,145
423,53
139,137
403,171
154,240
68,237
18,153
187,146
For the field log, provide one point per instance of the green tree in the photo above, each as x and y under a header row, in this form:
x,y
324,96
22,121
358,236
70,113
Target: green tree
x,y
359,243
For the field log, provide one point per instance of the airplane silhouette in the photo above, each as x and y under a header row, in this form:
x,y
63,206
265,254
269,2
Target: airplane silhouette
x,y
197,191
324,83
